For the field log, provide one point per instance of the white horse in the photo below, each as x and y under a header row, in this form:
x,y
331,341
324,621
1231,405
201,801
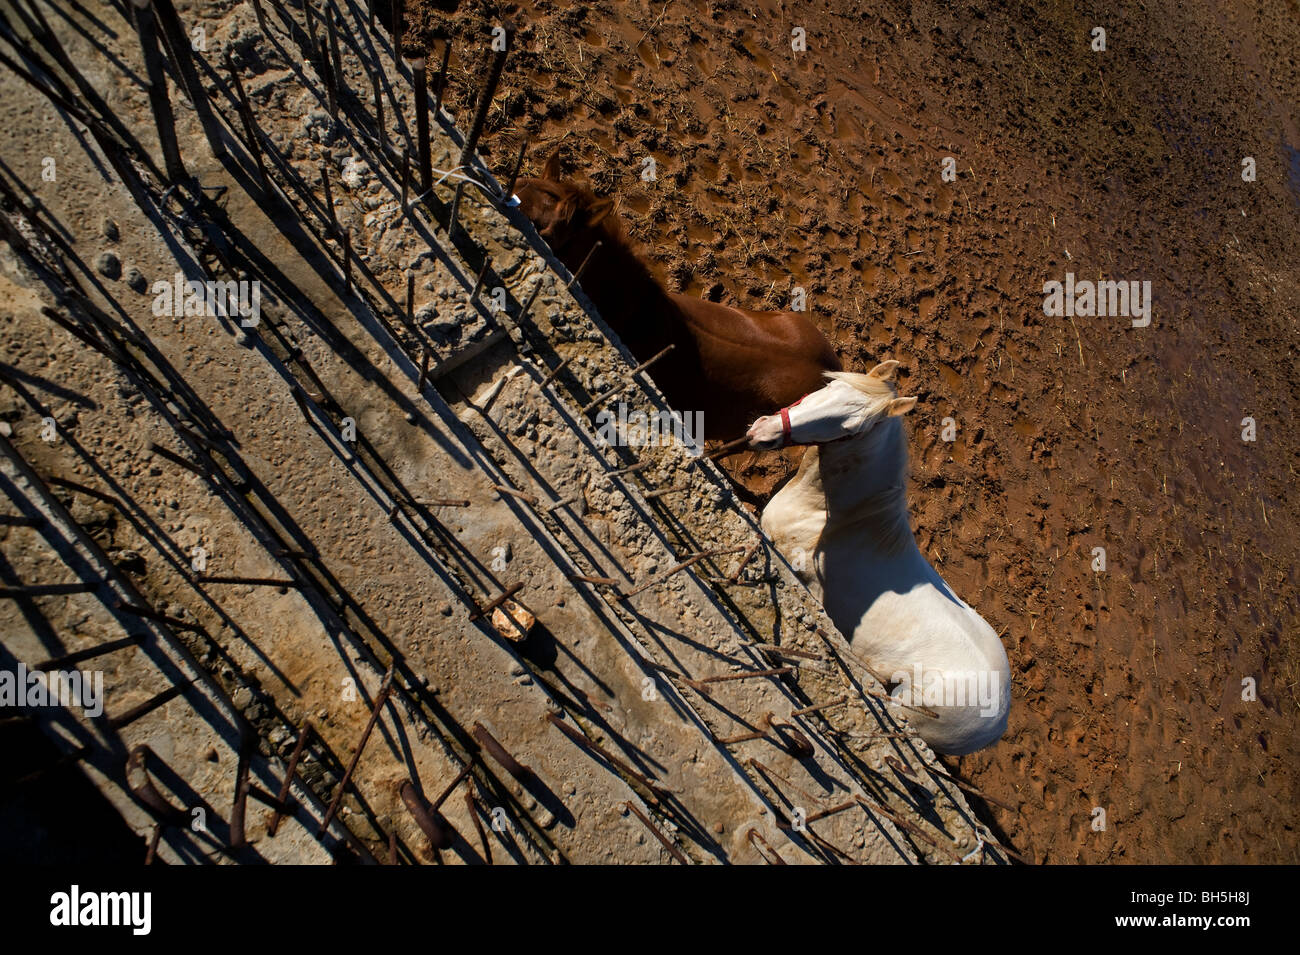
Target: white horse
x,y
842,521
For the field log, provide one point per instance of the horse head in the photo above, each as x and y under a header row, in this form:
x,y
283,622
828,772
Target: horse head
x,y
568,216
849,405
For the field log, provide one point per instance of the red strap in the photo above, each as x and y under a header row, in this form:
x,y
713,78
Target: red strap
x,y
785,422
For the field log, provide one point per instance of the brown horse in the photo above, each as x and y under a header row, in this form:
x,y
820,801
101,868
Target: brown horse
x,y
733,364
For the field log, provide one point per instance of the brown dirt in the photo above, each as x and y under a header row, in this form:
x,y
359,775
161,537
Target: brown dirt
x,y
822,170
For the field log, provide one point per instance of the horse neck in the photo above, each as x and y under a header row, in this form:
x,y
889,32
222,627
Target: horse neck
x,y
864,479
627,294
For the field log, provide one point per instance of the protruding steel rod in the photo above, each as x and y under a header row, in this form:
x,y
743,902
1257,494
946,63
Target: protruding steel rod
x,y
577,736
532,297
90,653
587,258
440,86
336,59
427,818
514,173
381,698
454,212
650,361
149,705
332,222
252,581
498,601
555,372
46,590
298,748
498,752
663,840
478,281
380,126
754,837
422,142
347,260
679,567
484,103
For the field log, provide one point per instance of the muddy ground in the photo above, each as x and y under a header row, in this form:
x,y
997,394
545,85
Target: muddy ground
x,y
822,169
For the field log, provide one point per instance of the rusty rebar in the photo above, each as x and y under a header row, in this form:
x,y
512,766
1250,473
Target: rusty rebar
x,y
612,392
484,103
730,447
441,85
576,275
498,752
252,581
332,222
592,746
522,495
285,787
532,297
665,491
422,144
138,762
454,211
514,173
654,830
749,555
380,699
650,361
347,261
764,849
47,590
149,705
380,127
478,281
148,613
679,567
424,365
80,656
336,58
497,602
555,372
430,821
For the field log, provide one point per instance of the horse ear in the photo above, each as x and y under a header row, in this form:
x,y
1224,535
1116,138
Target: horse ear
x,y
884,371
599,210
552,169
901,406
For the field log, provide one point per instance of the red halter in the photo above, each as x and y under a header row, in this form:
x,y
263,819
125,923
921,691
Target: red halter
x,y
785,428
785,423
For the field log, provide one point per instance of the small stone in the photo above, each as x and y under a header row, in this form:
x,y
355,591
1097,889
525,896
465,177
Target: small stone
x,y
108,265
109,228
136,281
